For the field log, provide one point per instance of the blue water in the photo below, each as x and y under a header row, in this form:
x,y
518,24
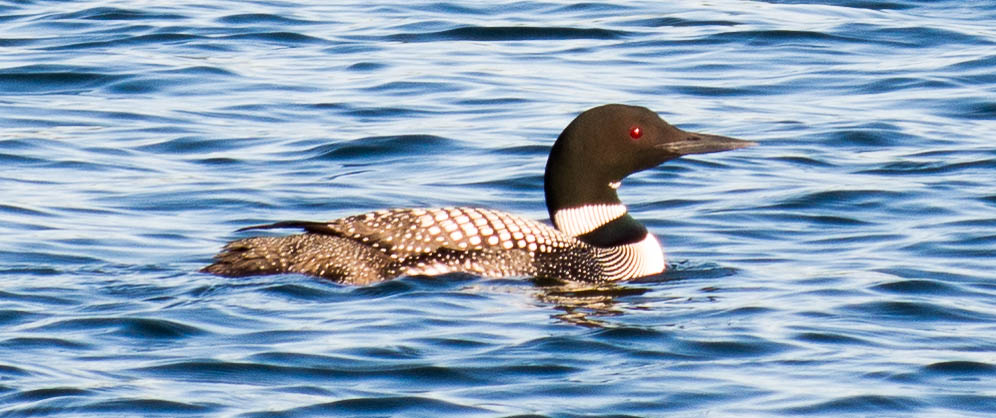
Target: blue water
x,y
846,266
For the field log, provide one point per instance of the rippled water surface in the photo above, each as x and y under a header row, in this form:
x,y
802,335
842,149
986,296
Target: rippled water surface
x,y
846,266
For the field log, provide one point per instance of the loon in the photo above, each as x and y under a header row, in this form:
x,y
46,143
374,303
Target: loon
x,y
593,238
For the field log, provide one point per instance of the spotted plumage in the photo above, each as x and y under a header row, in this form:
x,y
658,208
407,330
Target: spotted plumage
x,y
385,244
595,239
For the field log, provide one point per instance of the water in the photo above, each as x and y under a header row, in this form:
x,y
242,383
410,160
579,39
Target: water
x,y
843,267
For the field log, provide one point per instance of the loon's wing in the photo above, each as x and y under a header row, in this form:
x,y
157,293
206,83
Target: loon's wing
x,y
422,231
435,241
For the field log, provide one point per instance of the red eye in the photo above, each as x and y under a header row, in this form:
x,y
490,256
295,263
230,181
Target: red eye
x,y
635,132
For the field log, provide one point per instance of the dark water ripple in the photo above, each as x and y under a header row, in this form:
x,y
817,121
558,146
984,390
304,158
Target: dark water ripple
x,y
842,268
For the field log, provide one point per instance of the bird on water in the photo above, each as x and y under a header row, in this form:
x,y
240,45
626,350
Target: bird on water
x,y
593,237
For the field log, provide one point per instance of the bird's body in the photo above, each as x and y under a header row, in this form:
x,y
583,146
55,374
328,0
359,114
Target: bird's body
x,y
593,238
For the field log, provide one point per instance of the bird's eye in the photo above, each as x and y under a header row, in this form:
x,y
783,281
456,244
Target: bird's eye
x,y
635,132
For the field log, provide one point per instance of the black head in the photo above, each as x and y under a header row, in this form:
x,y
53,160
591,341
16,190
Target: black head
x,y
605,144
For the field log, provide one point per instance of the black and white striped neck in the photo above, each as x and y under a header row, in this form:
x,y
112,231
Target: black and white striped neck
x,y
623,246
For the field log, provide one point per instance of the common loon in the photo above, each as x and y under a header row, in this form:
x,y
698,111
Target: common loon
x,y
594,238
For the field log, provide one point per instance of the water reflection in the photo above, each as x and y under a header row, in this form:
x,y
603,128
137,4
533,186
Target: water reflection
x,y
585,303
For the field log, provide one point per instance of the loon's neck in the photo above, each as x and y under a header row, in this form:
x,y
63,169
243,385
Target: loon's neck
x,y
589,210
624,247
600,225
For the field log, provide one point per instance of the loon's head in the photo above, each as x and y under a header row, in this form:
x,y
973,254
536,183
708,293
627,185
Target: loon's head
x,y
605,144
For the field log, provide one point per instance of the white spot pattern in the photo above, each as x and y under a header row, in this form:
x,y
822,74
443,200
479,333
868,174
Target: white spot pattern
x,y
455,239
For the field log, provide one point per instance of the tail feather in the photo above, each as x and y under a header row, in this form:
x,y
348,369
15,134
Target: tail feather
x,y
251,257
332,257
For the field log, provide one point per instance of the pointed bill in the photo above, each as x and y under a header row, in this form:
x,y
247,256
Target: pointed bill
x,y
699,143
